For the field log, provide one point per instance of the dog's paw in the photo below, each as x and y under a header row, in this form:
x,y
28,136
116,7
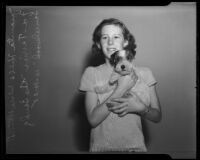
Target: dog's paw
x,y
114,77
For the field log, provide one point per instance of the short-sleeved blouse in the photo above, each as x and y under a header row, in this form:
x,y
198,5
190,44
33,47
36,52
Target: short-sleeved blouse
x,y
115,133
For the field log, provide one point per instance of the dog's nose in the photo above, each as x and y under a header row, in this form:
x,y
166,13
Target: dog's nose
x,y
122,67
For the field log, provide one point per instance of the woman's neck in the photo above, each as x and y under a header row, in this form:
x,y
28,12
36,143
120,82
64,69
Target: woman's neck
x,y
110,67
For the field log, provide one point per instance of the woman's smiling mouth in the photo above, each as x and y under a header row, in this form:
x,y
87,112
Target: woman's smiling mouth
x,y
111,49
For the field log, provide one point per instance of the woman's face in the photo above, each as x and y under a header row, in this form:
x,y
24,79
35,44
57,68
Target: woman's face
x,y
111,40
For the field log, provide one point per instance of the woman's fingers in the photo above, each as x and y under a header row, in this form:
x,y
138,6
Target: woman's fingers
x,y
119,100
122,114
119,111
115,103
118,108
111,104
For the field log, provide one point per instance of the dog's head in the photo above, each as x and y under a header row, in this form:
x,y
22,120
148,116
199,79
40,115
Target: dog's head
x,y
122,61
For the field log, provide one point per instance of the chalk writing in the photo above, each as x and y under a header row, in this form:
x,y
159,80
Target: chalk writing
x,y
23,75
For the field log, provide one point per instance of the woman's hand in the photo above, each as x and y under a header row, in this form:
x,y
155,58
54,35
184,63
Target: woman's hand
x,y
123,106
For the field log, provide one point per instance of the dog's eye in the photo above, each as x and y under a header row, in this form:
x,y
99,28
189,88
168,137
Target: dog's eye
x,y
129,57
117,59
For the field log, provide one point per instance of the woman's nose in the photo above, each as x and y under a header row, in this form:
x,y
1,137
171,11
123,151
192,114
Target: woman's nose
x,y
110,41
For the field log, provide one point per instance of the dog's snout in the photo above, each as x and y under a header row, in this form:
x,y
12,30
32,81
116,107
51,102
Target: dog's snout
x,y
122,67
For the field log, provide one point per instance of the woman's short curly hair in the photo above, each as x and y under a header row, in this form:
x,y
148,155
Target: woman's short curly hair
x,y
112,21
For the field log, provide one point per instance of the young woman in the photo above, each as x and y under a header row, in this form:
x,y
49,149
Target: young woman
x,y
117,127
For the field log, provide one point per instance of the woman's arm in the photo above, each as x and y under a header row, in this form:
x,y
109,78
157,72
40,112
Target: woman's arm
x,y
153,113
97,113
133,105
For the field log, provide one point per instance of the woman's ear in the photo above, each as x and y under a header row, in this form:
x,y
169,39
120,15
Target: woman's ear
x,y
125,43
98,45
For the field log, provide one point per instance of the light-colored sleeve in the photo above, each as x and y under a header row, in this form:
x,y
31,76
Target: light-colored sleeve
x,y
149,77
87,80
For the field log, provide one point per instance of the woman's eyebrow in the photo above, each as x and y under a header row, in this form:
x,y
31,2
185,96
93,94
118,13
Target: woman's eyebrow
x,y
108,34
118,34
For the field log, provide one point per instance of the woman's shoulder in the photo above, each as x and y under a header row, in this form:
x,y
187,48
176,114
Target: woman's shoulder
x,y
143,70
147,75
93,69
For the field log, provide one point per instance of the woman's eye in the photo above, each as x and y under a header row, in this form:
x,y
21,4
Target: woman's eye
x,y
104,37
116,37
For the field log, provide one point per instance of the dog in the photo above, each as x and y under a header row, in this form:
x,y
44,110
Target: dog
x,y
122,61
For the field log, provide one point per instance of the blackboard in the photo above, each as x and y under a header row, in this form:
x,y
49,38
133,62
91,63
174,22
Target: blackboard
x,y
22,72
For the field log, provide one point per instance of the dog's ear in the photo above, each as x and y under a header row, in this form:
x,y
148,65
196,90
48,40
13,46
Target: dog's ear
x,y
113,59
129,55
